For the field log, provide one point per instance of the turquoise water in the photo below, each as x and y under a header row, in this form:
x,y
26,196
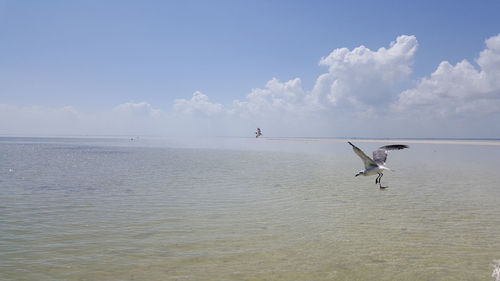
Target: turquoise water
x,y
244,209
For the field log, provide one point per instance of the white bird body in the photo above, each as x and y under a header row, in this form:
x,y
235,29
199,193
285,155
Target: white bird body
x,y
370,171
377,164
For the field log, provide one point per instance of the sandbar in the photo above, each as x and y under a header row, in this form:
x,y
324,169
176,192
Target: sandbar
x,y
416,141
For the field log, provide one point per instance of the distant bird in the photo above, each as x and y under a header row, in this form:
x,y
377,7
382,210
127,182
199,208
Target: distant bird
x,y
258,133
377,164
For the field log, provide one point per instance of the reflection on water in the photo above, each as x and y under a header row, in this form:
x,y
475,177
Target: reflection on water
x,y
79,210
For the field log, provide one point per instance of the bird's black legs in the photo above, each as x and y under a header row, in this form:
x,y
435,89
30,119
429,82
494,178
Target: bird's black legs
x,y
379,178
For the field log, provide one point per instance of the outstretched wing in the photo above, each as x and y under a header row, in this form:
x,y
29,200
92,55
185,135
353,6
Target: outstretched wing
x,y
366,160
380,155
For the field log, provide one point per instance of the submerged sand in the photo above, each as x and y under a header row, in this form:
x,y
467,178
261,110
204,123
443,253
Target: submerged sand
x,y
92,209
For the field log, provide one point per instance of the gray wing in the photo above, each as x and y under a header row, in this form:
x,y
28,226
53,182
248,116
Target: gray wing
x,y
366,160
380,155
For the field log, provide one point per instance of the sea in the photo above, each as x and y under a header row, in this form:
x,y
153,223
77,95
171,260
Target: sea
x,y
227,208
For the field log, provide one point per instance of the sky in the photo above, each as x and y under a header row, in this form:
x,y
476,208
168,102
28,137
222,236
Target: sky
x,y
412,69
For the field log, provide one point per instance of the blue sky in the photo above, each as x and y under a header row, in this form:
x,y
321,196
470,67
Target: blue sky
x,y
199,65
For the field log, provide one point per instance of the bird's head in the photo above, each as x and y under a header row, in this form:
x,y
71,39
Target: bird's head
x,y
360,173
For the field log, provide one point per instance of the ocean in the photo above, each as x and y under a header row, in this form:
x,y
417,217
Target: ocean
x,y
245,209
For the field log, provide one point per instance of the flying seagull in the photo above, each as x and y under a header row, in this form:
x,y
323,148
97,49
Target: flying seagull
x,y
377,164
258,133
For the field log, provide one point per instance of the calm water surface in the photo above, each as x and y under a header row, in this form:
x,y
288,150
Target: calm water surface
x,y
244,209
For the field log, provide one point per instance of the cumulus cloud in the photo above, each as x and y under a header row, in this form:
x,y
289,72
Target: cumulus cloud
x,y
357,78
275,97
360,90
198,104
458,90
131,118
279,107
362,77
136,109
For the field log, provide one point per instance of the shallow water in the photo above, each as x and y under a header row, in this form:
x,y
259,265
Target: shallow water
x,y
244,209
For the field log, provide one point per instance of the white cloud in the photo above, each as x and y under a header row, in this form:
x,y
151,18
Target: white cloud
x,y
275,98
458,90
281,109
198,104
136,109
362,77
131,118
361,94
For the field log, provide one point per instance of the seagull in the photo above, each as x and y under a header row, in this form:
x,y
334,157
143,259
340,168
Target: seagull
x,y
377,164
258,133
